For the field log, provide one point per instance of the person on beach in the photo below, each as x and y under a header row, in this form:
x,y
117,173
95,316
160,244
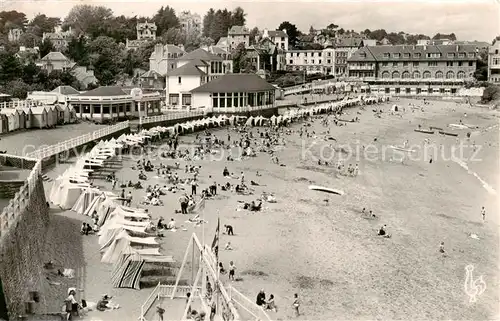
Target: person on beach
x,y
129,198
271,305
160,311
229,229
483,214
296,304
193,187
261,298
232,270
187,302
122,196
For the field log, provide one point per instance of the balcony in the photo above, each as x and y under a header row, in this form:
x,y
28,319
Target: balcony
x,y
365,67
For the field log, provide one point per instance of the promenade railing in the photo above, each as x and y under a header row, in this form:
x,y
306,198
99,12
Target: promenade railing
x,y
172,116
21,199
77,141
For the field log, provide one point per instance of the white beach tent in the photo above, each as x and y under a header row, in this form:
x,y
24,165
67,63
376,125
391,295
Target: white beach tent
x,y
67,194
110,231
86,198
97,201
122,243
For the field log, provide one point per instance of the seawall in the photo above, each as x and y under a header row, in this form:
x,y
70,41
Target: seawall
x,y
23,225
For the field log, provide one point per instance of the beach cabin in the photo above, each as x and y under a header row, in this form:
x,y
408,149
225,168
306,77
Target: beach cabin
x,y
68,114
40,117
51,116
12,117
60,114
4,124
22,119
27,115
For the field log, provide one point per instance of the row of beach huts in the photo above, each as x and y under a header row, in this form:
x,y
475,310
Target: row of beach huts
x,y
47,116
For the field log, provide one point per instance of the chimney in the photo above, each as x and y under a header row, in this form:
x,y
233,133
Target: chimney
x,y
456,48
284,30
425,47
265,34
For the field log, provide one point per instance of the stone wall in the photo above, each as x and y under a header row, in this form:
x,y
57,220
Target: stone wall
x,y
23,227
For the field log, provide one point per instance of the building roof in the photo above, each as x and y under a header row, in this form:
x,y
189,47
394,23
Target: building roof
x,y
54,55
151,74
189,69
66,90
9,111
235,83
238,30
222,42
105,91
200,54
174,49
376,53
218,50
349,42
277,33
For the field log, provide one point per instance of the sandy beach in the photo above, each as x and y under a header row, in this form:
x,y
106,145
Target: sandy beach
x,y
319,245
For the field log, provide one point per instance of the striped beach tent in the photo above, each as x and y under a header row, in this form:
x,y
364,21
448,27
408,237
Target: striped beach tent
x,y
127,273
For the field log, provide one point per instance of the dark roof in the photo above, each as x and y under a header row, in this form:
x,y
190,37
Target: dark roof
x,y
188,69
105,91
66,90
238,30
235,83
173,49
349,42
200,54
277,33
376,53
151,74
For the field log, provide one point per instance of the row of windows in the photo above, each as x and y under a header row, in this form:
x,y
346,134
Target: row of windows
x,y
427,74
431,63
429,55
495,61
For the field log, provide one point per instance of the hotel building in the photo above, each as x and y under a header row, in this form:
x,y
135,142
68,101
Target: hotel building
x,y
494,62
413,70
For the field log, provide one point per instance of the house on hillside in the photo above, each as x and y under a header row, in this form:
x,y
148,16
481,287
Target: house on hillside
x,y
278,37
59,39
15,34
146,31
266,55
55,61
237,35
234,93
84,76
164,58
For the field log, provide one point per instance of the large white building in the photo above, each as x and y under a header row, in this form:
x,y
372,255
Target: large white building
x,y
309,61
146,31
278,37
193,70
494,62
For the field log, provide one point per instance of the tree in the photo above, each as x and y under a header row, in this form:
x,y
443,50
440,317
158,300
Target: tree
x,y
292,32
490,93
10,68
439,36
165,19
174,36
122,28
12,19
104,56
144,52
239,58
208,19
378,34
254,33
41,23
87,19
238,17
78,50
46,47
29,40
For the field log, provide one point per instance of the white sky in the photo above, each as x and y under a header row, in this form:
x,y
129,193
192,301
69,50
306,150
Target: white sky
x,y
469,19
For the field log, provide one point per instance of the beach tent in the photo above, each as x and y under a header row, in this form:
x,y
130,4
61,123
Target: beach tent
x,y
112,230
28,116
105,208
51,120
65,193
12,118
40,117
128,270
123,243
97,201
4,123
86,198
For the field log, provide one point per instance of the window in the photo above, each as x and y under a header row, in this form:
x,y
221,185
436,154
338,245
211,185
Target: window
x,y
406,55
312,61
319,54
472,55
471,63
417,55
460,64
432,64
450,75
394,64
215,102
461,55
328,54
415,64
385,74
451,55
173,99
186,100
291,61
405,64
461,75
385,64
363,55
439,74
386,55
396,55
396,74
305,61
235,99
305,54
328,61
180,80
282,38
427,74
229,100
449,63
405,75
416,75
496,61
